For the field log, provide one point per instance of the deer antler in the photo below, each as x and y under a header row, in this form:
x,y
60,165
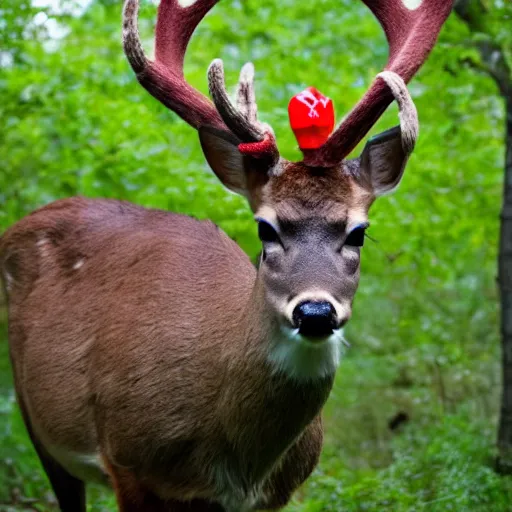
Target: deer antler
x,y
163,78
411,35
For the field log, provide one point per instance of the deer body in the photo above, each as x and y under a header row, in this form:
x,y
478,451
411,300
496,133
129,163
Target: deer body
x,y
87,278
147,350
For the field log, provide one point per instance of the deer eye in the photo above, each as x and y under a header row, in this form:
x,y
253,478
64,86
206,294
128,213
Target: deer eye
x,y
267,233
356,237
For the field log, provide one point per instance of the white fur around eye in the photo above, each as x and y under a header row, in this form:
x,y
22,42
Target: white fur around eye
x,y
412,4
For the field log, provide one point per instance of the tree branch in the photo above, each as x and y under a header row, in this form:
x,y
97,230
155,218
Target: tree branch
x,y
474,14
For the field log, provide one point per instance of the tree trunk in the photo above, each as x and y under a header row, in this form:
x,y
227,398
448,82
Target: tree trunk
x,y
495,64
504,462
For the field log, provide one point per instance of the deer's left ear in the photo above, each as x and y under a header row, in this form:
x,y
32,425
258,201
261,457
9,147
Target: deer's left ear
x,y
382,162
242,174
221,152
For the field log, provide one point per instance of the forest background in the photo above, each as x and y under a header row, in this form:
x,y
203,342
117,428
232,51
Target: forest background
x,y
411,424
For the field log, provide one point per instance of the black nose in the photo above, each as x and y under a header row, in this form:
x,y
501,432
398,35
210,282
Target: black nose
x,y
315,318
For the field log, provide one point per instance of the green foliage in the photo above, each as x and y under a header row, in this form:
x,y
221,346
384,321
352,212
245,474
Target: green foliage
x,y
424,333
441,467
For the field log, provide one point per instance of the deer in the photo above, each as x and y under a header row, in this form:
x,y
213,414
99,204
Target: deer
x,y
148,352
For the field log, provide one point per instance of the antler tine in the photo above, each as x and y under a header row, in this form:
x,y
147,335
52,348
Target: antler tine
x,y
163,78
411,34
176,22
245,95
257,138
409,125
239,121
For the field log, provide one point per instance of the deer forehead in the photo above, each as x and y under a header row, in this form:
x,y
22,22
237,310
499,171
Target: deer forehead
x,y
301,192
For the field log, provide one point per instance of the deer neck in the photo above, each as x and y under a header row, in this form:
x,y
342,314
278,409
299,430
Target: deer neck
x,y
264,409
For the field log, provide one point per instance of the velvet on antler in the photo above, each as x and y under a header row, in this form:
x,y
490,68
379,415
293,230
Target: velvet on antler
x,y
163,78
411,34
411,31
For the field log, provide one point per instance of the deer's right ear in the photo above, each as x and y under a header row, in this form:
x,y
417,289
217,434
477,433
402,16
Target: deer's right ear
x,y
221,151
382,162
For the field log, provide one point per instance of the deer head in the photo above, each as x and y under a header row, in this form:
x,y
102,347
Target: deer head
x,y
312,214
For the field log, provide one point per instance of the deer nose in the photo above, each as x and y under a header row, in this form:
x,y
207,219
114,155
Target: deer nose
x,y
315,319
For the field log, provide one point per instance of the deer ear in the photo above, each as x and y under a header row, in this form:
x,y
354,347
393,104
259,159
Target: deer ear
x,y
221,151
382,162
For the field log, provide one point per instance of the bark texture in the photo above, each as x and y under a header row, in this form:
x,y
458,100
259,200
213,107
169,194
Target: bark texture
x,y
505,285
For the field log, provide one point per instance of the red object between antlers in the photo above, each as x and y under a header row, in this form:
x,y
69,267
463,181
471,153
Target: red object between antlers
x,y
311,118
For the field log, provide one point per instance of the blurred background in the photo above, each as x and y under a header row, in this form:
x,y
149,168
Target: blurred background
x,y
412,421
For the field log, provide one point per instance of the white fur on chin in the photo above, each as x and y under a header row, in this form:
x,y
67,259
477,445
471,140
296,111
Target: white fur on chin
x,y
302,359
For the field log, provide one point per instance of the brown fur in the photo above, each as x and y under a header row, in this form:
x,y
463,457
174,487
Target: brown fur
x,y
165,377
329,193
